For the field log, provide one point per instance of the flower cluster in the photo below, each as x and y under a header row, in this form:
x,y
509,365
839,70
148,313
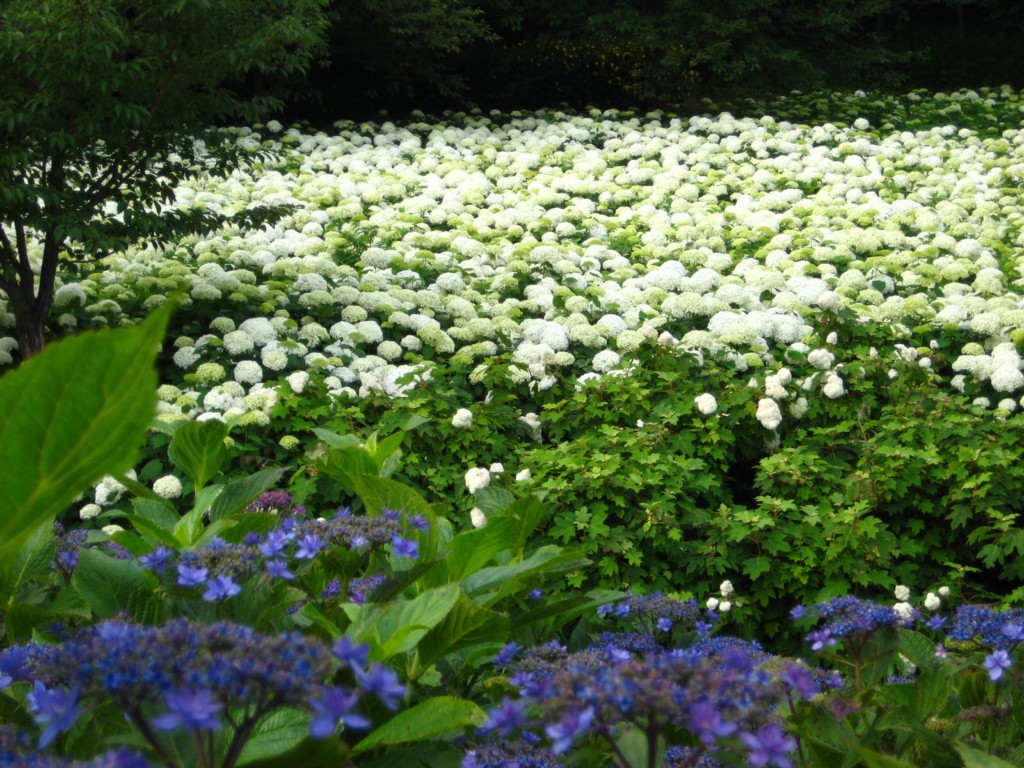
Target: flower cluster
x,y
853,619
718,690
185,675
218,567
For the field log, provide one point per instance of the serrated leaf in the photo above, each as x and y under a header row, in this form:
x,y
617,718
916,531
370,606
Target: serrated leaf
x,y
35,557
380,493
110,586
275,734
238,495
466,625
427,720
74,413
471,550
198,449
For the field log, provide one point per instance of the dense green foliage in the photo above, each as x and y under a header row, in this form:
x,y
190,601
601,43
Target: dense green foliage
x,y
106,108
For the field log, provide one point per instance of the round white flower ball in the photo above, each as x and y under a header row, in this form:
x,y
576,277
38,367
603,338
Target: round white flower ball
x,y
902,593
932,601
706,403
297,381
477,517
726,588
477,478
523,475
167,487
463,419
89,511
248,372
768,413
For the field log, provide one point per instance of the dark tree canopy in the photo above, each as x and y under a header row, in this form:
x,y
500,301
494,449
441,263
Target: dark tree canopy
x,y
106,105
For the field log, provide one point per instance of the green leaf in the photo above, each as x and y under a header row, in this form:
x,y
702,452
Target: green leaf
x,y
549,557
74,413
334,440
21,619
190,527
110,586
471,550
975,758
427,720
275,734
35,557
634,747
874,759
198,449
238,495
466,625
493,500
398,627
346,464
380,493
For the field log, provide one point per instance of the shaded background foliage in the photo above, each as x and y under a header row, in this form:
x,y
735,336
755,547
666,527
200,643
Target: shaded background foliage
x,y
430,55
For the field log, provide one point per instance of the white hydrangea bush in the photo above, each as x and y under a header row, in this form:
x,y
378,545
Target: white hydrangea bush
x,y
578,240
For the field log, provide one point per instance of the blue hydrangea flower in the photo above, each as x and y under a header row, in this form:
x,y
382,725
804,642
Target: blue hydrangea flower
x,y
55,709
189,709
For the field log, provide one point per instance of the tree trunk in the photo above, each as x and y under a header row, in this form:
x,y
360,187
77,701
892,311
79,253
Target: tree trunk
x,y
30,321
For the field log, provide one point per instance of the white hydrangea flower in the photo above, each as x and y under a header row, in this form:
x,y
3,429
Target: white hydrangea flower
x,y
902,593
167,487
297,381
834,386
725,606
523,475
248,372
110,530
944,591
497,468
712,604
821,358
904,610
706,403
477,517
832,338
89,511
932,601
768,413
477,478
463,419
605,360
726,588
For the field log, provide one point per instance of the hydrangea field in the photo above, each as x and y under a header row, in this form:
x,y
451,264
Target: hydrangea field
x,y
543,439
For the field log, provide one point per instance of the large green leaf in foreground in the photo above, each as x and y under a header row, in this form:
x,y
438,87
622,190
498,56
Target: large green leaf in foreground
x,y
69,416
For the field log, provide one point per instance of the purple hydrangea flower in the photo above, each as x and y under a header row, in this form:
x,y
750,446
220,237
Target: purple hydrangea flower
x,y
381,682
56,709
574,723
706,721
220,588
350,654
189,576
996,663
506,717
276,542
405,547
190,710
419,522
769,746
278,569
309,547
335,705
157,560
